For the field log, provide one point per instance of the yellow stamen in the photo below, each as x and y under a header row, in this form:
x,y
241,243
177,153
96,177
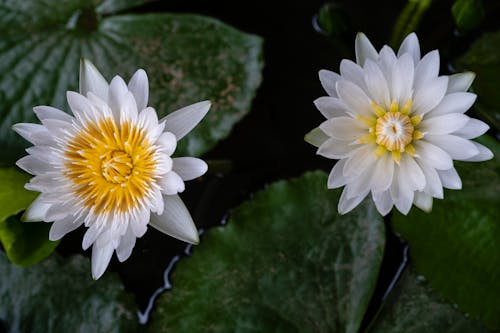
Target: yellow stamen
x,y
396,156
368,121
377,109
394,106
407,108
411,150
415,120
380,151
417,135
368,138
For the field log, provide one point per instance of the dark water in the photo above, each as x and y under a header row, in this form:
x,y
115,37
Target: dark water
x,y
268,144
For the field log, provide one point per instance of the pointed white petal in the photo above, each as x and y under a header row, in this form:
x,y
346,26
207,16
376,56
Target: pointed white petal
x,y
361,160
411,46
63,226
457,147
176,220
458,102
90,236
472,129
430,95
427,69
189,167
383,202
171,183
483,155
100,259
139,87
44,112
329,80
423,201
433,182
402,79
182,121
33,165
331,107
364,49
376,84
387,59
127,243
444,124
34,133
139,224
336,178
80,106
460,82
404,200
450,179
347,204
316,137
344,128
383,173
128,109
354,98
433,155
411,173
168,143
117,90
57,211
352,72
92,81
337,149
36,211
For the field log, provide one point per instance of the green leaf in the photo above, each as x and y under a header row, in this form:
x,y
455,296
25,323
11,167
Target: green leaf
x,y
483,58
25,243
286,262
59,295
457,246
188,59
468,14
408,20
412,307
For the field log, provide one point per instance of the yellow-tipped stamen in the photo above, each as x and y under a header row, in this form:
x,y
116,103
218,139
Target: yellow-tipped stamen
x,y
378,110
368,121
415,120
396,156
394,106
368,138
380,151
407,108
417,135
411,150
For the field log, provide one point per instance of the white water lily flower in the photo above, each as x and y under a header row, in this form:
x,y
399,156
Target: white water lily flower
x,y
396,126
109,166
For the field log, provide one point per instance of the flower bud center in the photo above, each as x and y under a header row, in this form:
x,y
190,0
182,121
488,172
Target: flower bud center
x,y
394,131
116,166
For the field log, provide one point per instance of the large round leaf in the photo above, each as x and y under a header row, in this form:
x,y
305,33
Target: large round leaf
x,y
457,246
188,58
412,307
58,295
286,262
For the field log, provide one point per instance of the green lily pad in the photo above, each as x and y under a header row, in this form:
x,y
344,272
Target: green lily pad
x,y
286,262
25,243
59,295
457,246
188,58
412,307
483,58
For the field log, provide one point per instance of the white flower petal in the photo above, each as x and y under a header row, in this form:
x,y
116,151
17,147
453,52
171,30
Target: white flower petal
x,y
90,236
63,226
457,147
361,160
383,202
168,143
127,243
182,121
316,137
80,106
354,98
34,133
460,82
171,183
383,173
386,61
458,102
434,156
404,199
139,224
347,204
329,80
423,201
44,112
36,210
433,182
364,49
411,46
91,80
331,107
427,69
128,109
148,121
343,128
402,79
336,178
429,95
117,90
376,84
450,179
483,155
100,259
33,165
336,149
176,220
189,167
350,71
472,129
57,211
139,87
444,124
411,173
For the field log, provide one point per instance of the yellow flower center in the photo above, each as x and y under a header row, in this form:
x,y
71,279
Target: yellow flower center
x,y
113,169
392,130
